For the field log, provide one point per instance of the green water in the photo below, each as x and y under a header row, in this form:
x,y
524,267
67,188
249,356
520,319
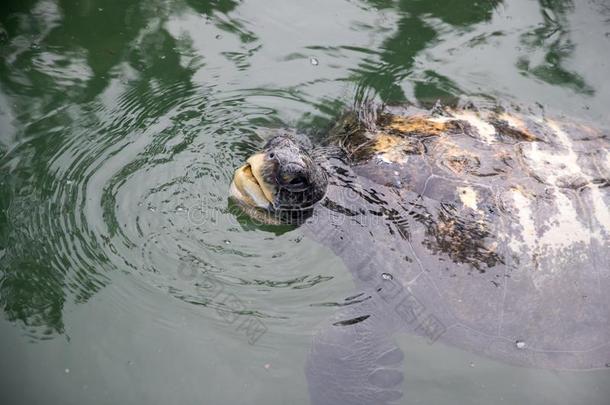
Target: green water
x,y
125,274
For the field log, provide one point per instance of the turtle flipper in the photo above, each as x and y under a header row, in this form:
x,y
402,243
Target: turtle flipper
x,y
353,360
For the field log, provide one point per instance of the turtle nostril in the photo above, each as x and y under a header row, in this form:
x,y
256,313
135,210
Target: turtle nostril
x,y
297,181
291,174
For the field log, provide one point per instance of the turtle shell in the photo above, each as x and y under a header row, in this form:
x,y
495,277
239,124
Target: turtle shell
x,y
486,230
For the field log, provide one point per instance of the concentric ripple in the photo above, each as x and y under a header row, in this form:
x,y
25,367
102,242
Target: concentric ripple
x,y
152,204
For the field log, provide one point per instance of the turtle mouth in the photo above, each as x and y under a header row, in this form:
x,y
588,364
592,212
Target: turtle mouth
x,y
249,186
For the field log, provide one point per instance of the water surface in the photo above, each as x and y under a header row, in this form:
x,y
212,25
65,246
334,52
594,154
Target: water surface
x,y
126,276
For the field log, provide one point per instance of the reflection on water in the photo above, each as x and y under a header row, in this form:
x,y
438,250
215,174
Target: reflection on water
x,y
121,123
552,39
416,29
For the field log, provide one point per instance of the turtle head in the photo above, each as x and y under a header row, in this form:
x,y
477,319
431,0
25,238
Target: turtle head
x,y
282,182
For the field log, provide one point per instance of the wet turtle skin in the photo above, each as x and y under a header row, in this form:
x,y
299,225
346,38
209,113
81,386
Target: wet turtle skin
x,y
486,230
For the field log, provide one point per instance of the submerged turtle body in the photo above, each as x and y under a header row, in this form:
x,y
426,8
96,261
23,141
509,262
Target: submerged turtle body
x,y
489,231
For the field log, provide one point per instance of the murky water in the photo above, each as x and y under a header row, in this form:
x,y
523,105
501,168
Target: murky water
x,y
126,275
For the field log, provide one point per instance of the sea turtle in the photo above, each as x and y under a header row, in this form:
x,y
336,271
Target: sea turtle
x,y
484,229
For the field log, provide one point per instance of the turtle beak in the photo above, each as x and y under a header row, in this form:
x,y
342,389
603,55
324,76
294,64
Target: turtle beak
x,y
249,186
